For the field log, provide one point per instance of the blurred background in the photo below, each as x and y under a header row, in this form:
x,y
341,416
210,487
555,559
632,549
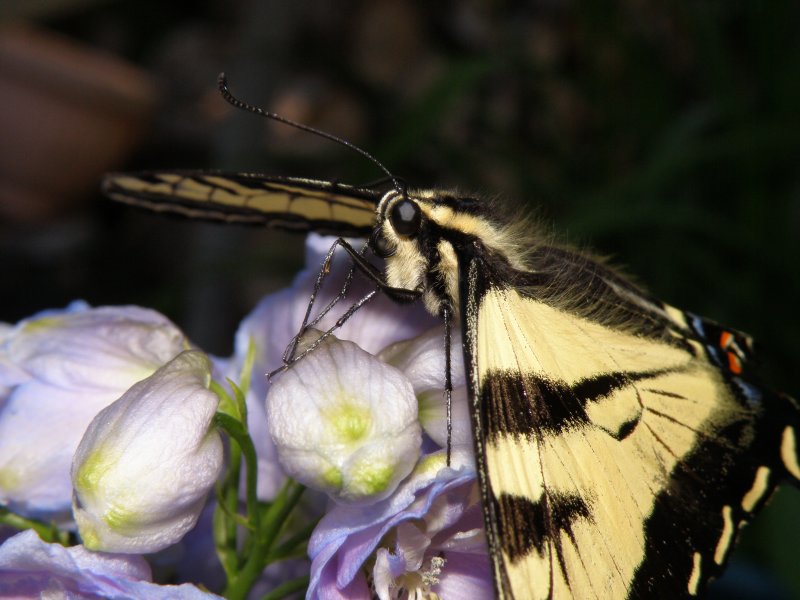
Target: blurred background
x,y
665,135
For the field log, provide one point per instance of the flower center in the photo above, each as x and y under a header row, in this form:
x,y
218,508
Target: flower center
x,y
416,585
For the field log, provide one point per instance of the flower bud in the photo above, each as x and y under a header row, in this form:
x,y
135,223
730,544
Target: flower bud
x,y
277,318
345,423
146,462
422,360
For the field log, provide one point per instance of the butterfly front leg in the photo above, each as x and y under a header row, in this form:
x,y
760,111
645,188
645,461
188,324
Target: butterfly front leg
x,y
359,263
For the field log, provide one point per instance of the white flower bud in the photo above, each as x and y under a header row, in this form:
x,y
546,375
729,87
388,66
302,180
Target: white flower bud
x,y
345,423
146,462
422,360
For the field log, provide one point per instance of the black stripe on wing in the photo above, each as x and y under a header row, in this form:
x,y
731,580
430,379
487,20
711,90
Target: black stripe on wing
x,y
283,202
715,490
527,405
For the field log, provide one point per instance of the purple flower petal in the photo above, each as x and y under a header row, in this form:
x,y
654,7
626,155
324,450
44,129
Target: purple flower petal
x,y
466,575
346,537
58,369
32,568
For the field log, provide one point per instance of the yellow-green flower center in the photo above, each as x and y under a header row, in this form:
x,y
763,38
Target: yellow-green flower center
x,y
371,479
351,423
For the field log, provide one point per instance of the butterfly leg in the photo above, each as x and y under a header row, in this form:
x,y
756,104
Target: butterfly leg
x,y
400,295
448,380
326,334
288,355
371,272
360,263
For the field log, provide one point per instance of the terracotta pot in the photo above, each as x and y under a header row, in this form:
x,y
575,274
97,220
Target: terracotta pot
x,y
68,113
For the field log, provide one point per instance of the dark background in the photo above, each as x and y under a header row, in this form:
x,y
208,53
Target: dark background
x,y
666,135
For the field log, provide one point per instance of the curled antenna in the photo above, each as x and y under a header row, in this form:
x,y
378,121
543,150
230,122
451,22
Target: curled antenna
x,y
222,84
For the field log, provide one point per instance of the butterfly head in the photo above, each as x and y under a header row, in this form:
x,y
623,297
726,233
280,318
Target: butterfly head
x,y
423,235
399,222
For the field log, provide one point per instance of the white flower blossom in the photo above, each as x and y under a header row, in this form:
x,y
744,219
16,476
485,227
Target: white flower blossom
x,y
345,423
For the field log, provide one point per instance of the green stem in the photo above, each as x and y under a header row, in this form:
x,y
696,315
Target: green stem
x,y
288,588
225,526
239,434
276,514
226,515
274,519
48,532
289,547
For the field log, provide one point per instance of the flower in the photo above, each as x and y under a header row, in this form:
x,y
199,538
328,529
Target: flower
x,y
146,463
344,422
31,568
444,553
57,370
277,319
427,538
422,361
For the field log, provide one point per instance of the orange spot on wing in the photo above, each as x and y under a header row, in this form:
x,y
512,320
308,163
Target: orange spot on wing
x,y
734,364
725,339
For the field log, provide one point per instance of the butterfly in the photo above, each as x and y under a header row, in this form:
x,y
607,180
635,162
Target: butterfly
x,y
621,443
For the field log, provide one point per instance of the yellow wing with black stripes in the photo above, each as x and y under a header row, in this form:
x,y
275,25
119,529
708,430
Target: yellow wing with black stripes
x,y
284,202
621,442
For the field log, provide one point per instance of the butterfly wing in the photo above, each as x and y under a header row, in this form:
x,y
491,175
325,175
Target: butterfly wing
x,y
287,203
616,459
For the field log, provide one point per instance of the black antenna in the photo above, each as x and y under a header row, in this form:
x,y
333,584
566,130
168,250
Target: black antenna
x,y
222,84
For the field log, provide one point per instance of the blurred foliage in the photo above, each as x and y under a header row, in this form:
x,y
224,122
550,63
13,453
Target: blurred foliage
x,y
664,134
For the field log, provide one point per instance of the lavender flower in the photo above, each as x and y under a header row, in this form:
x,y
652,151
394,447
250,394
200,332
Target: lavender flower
x,y
427,538
58,369
30,568
361,417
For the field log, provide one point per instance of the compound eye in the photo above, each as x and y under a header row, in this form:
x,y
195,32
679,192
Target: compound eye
x,y
406,217
380,245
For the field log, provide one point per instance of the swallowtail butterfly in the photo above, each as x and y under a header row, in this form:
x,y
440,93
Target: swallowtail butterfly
x,y
621,443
